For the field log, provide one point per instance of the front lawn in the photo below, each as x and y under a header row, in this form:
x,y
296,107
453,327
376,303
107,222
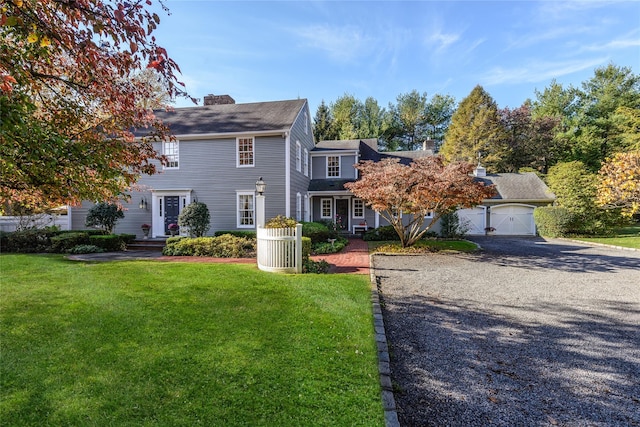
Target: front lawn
x,y
628,237
180,344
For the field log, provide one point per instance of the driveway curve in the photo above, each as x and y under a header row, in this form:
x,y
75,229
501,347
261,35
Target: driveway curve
x,y
527,332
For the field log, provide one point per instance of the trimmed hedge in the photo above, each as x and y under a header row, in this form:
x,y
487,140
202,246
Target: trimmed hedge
x,y
28,241
56,241
553,221
110,243
65,242
316,231
246,234
225,246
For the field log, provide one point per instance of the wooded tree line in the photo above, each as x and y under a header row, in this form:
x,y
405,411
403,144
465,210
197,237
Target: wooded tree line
x,y
589,123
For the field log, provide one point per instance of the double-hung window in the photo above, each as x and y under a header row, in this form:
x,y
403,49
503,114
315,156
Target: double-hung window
x,y
326,208
245,153
246,210
298,157
171,153
358,208
333,166
305,162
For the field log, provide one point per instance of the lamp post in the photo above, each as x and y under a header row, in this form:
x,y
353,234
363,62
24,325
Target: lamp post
x,y
260,205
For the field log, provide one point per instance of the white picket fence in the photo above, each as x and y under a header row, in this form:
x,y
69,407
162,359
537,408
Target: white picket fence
x,y
12,223
280,249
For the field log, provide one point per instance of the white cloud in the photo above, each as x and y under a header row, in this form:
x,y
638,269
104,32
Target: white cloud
x,y
537,71
339,43
440,40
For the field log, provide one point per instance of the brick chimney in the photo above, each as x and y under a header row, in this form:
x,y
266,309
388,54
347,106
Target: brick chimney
x,y
212,99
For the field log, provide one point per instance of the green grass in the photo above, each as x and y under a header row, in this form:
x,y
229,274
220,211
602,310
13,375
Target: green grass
x,y
423,246
628,237
144,343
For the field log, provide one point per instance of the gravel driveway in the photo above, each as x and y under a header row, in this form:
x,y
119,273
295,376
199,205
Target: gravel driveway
x,y
529,332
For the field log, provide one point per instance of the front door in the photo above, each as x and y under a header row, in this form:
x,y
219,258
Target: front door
x,y
342,214
172,210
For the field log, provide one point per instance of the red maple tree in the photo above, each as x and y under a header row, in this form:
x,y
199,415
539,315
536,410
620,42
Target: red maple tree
x,y
405,194
69,99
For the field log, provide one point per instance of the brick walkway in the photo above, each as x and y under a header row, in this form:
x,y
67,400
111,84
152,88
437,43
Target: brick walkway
x,y
354,259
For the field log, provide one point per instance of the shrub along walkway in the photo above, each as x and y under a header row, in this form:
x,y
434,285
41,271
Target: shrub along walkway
x,y
354,259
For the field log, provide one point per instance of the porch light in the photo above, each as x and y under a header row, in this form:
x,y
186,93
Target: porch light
x,y
143,204
260,186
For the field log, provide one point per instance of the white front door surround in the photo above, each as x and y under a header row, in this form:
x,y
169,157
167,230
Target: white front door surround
x,y
159,208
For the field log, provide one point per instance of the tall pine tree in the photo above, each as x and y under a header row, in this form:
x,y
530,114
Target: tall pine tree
x,y
476,132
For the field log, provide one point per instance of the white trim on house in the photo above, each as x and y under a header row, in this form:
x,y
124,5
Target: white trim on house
x,y
172,154
157,207
330,207
354,209
339,166
252,209
226,135
287,175
307,208
298,156
253,152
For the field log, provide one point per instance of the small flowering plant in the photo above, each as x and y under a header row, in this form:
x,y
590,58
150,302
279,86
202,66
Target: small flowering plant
x,y
173,227
145,226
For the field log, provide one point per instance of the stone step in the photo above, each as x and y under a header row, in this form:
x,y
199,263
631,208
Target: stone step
x,y
147,245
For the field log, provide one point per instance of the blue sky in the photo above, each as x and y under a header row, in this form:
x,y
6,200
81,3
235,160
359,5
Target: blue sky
x,y
265,50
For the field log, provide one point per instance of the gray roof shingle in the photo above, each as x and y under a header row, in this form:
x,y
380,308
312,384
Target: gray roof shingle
x,y
518,186
231,118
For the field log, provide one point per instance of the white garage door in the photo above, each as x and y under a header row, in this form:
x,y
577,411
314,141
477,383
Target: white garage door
x,y
473,219
514,220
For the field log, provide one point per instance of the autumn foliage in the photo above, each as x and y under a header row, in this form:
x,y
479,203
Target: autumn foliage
x,y
69,102
619,185
405,194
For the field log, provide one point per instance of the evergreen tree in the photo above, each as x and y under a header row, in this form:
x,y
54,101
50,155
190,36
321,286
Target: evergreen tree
x,y
438,117
476,131
323,123
596,135
346,117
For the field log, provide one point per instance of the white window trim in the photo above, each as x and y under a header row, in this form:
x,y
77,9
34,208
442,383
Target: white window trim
x,y
306,123
322,208
305,161
429,215
354,208
298,156
298,207
238,216
339,167
176,155
253,151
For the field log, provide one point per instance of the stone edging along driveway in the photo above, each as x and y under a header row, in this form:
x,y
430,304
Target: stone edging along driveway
x,y
527,332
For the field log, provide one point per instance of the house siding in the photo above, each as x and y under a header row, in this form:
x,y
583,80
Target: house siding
x,y
299,183
208,169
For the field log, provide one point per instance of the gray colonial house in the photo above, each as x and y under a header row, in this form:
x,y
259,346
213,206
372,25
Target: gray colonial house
x,y
222,148
220,151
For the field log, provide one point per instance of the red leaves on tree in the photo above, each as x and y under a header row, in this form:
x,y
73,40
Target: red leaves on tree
x,y
70,101
426,185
